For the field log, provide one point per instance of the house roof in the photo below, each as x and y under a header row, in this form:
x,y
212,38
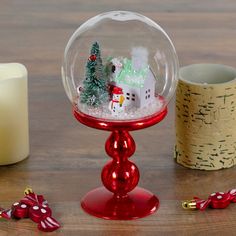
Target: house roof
x,y
131,77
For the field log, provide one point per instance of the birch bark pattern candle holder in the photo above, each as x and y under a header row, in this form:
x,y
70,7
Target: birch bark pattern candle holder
x,y
206,117
14,125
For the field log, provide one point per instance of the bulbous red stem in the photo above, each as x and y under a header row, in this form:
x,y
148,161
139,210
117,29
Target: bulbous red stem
x,y
120,175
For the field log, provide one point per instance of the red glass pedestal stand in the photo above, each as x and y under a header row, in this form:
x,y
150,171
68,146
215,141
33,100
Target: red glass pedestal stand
x,y
119,199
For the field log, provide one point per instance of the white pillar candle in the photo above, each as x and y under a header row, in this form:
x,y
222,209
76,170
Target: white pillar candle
x,y
14,124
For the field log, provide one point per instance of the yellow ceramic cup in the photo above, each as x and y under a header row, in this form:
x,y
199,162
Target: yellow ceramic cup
x,y
206,117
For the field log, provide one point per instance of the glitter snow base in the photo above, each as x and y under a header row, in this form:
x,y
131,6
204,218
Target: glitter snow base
x,y
128,114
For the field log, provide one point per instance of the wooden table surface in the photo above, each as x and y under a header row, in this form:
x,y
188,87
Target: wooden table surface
x,y
67,157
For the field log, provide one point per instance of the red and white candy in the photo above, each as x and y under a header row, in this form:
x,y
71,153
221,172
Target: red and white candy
x,y
36,208
217,200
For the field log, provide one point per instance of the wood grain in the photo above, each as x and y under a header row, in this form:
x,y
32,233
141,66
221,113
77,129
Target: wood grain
x,y
66,157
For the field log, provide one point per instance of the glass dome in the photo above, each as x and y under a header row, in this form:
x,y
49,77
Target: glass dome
x,y
120,65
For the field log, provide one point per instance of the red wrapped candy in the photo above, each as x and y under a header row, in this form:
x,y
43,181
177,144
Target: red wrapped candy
x,y
36,208
217,200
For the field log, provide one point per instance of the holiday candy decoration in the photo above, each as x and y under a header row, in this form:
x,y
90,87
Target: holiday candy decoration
x,y
218,200
36,208
119,72
205,117
14,123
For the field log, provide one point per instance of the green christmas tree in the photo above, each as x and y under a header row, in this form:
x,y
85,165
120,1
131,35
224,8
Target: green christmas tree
x,y
94,91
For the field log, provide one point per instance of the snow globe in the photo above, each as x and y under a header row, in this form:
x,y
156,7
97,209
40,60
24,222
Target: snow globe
x,y
119,71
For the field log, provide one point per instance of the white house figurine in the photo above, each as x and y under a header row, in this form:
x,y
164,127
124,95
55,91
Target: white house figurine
x,y
135,78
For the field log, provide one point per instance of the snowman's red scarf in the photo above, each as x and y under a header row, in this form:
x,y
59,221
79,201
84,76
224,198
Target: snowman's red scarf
x,y
114,101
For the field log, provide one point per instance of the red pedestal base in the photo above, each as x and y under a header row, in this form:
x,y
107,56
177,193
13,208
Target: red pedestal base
x,y
104,204
120,199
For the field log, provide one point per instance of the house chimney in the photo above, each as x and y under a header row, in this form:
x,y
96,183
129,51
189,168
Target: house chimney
x,y
139,58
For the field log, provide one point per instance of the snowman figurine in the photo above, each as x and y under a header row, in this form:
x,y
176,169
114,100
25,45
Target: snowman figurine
x,y
116,104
